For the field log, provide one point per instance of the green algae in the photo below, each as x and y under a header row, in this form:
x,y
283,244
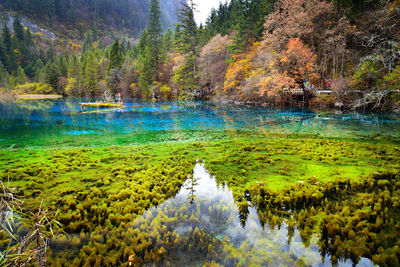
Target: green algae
x,y
325,187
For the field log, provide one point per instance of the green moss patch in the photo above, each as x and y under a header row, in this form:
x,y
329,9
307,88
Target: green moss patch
x,y
327,187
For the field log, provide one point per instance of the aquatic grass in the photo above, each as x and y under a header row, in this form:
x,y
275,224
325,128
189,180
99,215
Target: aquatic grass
x,y
100,191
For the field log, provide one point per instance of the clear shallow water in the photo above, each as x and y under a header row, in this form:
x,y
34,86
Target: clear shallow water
x,y
203,205
62,122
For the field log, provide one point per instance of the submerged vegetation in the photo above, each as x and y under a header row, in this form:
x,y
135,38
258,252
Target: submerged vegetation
x,y
344,193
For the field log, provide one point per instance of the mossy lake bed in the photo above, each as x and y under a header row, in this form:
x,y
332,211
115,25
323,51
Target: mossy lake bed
x,y
194,184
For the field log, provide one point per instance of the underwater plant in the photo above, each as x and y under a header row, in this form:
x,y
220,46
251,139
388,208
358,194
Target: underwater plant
x,y
342,194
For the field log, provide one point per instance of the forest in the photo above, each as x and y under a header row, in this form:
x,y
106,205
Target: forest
x,y
67,16
248,51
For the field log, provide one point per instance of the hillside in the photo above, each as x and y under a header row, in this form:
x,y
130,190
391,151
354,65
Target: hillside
x,y
320,54
73,17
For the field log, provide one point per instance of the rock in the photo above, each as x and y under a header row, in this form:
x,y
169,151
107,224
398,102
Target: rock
x,y
34,28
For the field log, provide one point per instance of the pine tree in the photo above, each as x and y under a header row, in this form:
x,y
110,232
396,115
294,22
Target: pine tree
x,y
12,61
186,43
28,38
155,37
3,56
116,57
18,30
6,38
21,77
37,68
144,38
19,43
51,74
73,67
3,75
50,55
167,41
62,64
91,72
50,7
74,78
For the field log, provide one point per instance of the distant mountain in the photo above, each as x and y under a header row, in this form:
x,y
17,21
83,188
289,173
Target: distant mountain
x,y
168,10
65,16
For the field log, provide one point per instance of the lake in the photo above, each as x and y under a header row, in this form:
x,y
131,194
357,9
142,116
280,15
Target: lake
x,y
63,122
205,184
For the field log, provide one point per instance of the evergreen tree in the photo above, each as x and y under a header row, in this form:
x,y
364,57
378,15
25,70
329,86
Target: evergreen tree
x,y
37,68
116,57
42,55
3,75
154,41
51,74
187,43
245,17
28,38
6,38
21,77
3,56
50,7
50,54
62,64
167,41
74,74
12,61
144,38
18,30
91,72
73,67
20,45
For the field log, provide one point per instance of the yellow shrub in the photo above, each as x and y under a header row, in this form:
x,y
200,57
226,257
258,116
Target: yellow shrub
x,y
165,89
34,88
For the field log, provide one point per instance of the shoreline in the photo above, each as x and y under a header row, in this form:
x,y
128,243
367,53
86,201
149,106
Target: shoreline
x,y
37,96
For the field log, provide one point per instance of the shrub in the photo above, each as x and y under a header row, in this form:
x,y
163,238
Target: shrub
x,y
34,88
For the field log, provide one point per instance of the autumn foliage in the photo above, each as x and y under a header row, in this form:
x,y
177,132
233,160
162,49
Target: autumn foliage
x,y
290,69
212,61
239,69
302,40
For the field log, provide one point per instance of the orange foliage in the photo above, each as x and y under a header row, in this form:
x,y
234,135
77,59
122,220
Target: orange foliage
x,y
289,69
299,60
316,22
240,68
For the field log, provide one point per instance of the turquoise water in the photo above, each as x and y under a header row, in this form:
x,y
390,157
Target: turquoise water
x,y
202,204
63,123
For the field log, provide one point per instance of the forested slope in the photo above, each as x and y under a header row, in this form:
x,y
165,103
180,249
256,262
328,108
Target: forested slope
x,y
69,15
292,52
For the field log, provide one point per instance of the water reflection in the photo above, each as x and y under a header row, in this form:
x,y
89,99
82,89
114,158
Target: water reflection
x,y
203,213
39,121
